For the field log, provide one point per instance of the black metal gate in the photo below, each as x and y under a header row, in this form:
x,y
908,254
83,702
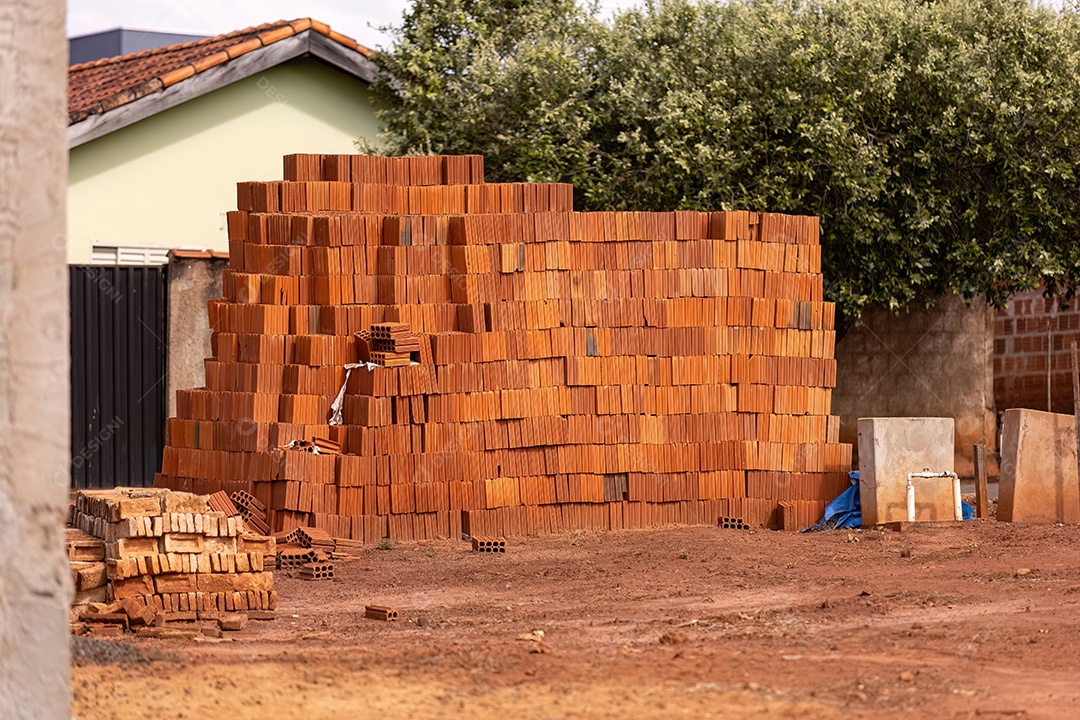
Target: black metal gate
x,y
118,365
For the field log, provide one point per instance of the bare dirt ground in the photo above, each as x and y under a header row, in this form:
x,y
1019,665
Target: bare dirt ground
x,y
974,621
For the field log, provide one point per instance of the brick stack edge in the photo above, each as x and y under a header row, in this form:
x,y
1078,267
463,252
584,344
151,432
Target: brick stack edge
x,y
599,370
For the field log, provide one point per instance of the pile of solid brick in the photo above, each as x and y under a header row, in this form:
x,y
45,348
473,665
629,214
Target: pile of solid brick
x,y
86,556
168,551
565,370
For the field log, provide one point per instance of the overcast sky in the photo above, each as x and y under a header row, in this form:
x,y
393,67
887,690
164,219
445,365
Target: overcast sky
x,y
358,20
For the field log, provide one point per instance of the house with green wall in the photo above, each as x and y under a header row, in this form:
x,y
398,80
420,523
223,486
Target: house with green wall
x,y
158,140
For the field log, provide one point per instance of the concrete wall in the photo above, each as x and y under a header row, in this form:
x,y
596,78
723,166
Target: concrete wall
x,y
192,283
35,582
168,180
922,363
1032,355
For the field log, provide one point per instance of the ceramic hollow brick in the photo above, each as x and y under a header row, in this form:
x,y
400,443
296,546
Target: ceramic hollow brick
x,y
380,612
317,571
489,544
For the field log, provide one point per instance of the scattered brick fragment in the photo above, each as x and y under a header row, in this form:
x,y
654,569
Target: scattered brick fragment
x,y
381,612
232,621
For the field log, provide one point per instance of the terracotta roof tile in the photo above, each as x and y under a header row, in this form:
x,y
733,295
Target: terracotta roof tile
x,y
246,46
205,63
342,40
174,76
280,33
99,86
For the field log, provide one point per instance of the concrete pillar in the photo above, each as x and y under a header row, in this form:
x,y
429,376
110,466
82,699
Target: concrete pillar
x,y
194,280
35,583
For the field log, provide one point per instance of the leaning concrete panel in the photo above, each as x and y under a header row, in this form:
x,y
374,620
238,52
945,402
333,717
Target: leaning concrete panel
x,y
35,581
889,449
1038,468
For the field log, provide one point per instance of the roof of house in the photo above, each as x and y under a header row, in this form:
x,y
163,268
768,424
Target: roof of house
x,y
102,86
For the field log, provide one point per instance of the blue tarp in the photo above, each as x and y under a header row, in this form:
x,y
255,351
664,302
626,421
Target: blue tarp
x,y
843,512
846,511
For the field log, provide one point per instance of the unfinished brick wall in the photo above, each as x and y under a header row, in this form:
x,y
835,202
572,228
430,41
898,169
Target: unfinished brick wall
x,y
571,370
1032,356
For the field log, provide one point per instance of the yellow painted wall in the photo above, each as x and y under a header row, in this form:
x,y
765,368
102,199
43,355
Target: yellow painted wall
x,y
168,180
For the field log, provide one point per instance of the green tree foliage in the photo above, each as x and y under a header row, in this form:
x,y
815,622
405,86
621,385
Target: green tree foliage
x,y
505,79
937,140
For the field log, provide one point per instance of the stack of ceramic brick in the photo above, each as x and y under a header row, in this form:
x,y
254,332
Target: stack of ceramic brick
x,y
86,556
575,370
169,551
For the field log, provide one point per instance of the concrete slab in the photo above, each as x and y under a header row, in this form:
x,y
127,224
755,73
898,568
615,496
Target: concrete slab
x,y
1038,468
889,449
